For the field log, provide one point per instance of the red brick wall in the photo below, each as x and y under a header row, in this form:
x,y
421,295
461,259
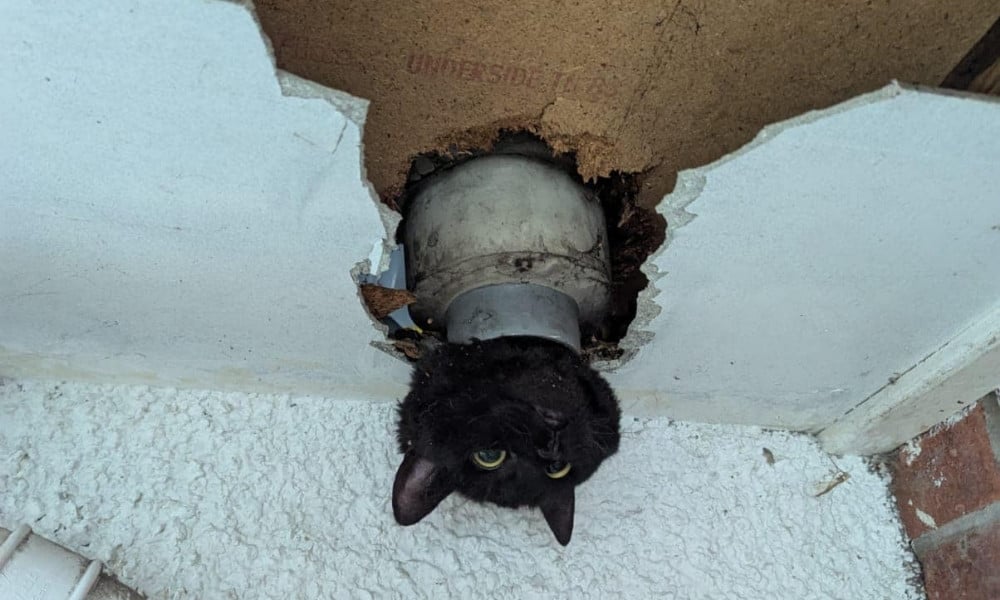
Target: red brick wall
x,y
947,485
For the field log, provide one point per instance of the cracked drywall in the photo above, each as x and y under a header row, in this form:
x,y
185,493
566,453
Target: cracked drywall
x,y
802,272
377,260
355,109
689,186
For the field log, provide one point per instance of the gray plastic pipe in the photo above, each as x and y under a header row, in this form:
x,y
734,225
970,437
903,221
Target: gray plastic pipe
x,y
33,567
507,245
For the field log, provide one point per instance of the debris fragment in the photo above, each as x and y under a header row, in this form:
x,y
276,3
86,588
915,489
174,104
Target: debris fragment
x,y
926,519
410,348
838,479
768,456
597,350
382,301
910,451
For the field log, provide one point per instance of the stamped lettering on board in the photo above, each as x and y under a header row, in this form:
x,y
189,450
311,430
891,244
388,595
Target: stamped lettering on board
x,y
592,86
595,85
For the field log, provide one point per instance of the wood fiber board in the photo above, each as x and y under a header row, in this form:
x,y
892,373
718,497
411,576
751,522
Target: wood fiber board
x,y
628,85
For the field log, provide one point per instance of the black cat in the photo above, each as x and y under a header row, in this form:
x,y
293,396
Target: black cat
x,y
517,421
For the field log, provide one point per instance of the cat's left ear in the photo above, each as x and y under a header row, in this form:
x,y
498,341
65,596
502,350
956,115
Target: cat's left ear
x,y
558,507
419,487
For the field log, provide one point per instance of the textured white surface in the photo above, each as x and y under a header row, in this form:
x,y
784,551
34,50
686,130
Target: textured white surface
x,y
226,495
837,250
170,213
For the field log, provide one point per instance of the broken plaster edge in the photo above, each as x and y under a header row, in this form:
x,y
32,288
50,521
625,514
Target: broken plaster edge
x,y
958,373
355,110
691,183
290,376
689,187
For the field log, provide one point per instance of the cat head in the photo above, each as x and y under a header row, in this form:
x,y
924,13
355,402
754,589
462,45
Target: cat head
x,y
513,421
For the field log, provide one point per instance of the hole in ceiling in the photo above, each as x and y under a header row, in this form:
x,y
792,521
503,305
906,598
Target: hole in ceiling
x,y
634,233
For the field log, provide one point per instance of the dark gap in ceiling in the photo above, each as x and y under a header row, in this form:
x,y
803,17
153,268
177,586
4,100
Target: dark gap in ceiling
x,y
634,232
982,55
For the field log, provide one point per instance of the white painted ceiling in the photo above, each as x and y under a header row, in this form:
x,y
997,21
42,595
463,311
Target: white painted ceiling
x,y
834,252
171,211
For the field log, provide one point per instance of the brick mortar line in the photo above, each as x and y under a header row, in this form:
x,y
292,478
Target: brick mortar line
x,y
991,406
984,517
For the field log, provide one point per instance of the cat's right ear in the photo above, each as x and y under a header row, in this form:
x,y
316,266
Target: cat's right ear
x,y
558,508
420,486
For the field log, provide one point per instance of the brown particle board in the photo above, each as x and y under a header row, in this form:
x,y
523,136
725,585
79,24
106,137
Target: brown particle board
x,y
629,86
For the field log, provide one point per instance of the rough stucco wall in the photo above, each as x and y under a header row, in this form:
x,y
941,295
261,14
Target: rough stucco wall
x,y
211,495
173,211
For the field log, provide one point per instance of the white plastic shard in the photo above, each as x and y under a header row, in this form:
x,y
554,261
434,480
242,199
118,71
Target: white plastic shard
x,y
33,567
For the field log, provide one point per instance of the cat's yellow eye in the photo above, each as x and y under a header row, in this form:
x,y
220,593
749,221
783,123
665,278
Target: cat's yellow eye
x,y
558,470
489,459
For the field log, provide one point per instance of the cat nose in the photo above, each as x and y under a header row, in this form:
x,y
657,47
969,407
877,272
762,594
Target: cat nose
x,y
554,419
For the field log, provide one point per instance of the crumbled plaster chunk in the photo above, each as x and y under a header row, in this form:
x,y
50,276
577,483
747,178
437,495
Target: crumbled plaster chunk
x,y
926,519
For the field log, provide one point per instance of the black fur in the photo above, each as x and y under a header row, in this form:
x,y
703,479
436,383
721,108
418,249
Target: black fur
x,y
536,399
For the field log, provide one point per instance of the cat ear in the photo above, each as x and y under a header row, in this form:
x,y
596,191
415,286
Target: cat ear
x,y
418,488
558,507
